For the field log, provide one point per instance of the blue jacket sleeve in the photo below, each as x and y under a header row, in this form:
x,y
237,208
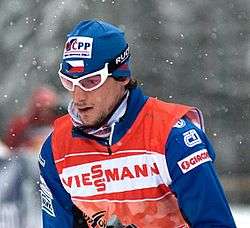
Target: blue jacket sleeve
x,y
57,207
195,183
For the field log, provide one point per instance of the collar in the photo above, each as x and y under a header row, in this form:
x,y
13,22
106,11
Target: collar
x,y
105,130
135,101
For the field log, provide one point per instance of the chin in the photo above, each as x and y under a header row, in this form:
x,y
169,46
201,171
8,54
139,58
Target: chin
x,y
89,124
92,122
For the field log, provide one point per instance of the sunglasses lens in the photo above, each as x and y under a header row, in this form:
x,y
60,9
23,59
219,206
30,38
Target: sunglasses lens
x,y
91,82
66,83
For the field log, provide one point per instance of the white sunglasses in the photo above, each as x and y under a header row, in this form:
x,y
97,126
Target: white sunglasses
x,y
87,82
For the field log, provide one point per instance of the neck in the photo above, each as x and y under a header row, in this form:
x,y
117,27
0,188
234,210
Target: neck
x,y
117,112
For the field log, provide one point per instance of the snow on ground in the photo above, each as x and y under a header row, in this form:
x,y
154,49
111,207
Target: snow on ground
x,y
241,215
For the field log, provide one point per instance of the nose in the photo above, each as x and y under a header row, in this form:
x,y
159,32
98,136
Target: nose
x,y
79,95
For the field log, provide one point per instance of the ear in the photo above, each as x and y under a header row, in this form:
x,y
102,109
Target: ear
x,y
125,81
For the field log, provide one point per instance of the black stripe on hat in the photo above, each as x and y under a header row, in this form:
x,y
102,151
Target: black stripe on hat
x,y
119,60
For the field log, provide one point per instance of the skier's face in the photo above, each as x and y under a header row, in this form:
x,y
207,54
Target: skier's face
x,y
94,106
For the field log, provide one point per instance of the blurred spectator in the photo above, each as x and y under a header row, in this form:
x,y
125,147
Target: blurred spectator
x,y
24,136
27,130
13,203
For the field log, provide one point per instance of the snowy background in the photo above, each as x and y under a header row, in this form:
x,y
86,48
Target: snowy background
x,y
195,52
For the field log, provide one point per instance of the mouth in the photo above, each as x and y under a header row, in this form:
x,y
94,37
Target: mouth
x,y
84,109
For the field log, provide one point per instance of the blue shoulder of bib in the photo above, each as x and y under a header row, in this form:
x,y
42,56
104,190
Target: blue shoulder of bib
x,y
57,207
190,157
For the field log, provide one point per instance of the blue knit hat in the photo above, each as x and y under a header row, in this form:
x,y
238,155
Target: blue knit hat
x,y
93,43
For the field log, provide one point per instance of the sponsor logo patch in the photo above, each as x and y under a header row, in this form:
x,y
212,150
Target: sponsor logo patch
x,y
123,57
98,177
180,123
191,138
46,198
194,160
78,46
41,160
96,220
116,175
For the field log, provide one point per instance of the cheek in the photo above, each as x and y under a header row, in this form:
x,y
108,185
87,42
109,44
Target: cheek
x,y
101,102
107,101
99,99
105,94
107,97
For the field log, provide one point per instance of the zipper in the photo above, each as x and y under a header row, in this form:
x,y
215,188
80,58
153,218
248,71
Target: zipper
x,y
109,150
109,144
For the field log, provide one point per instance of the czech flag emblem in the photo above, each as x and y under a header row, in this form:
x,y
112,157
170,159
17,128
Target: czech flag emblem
x,y
75,66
